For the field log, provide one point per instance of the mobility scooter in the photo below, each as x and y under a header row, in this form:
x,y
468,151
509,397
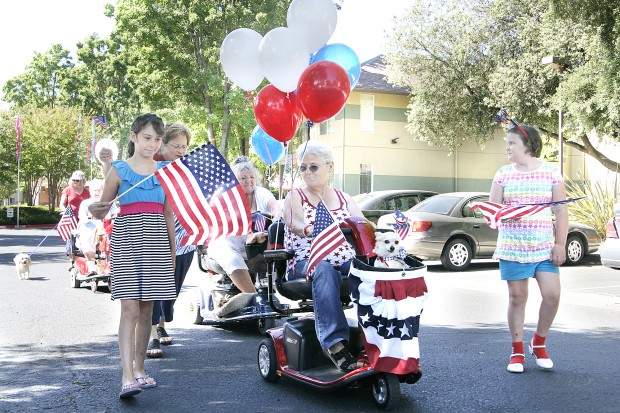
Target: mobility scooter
x,y
210,298
79,268
383,336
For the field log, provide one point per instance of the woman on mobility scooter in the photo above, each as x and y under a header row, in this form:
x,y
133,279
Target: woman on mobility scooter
x,y
230,253
315,164
379,348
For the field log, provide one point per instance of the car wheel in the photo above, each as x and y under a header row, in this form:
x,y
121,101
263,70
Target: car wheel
x,y
575,250
456,255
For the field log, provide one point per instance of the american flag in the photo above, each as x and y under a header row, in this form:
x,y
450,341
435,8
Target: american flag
x,y
258,222
18,129
389,304
205,195
100,121
402,224
327,237
66,224
493,213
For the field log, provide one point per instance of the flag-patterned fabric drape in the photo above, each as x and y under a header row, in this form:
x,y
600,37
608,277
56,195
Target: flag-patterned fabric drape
x,y
66,224
389,304
205,195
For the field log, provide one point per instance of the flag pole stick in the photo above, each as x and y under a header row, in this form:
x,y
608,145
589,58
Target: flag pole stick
x,y
145,179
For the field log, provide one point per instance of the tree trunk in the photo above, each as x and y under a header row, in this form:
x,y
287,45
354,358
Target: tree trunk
x,y
588,149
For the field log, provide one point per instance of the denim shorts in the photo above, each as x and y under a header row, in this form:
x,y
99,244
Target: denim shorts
x,y
513,270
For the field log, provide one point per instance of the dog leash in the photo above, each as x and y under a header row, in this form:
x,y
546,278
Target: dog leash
x,y
42,241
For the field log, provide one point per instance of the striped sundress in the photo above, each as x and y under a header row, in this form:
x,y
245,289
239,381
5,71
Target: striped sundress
x,y
141,259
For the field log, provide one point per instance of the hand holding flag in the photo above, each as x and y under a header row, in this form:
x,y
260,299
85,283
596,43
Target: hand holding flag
x,y
327,237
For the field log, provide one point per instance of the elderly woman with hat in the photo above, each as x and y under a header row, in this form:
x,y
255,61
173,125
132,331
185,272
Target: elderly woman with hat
x,y
75,193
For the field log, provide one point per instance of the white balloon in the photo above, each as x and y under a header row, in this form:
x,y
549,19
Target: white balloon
x,y
109,144
239,58
283,57
315,20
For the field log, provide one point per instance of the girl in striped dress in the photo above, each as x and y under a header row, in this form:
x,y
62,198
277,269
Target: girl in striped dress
x,y
530,247
143,248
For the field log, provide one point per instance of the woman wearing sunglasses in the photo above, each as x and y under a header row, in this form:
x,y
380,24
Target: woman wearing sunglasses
x,y
315,165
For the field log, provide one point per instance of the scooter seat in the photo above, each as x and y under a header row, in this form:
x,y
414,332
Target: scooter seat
x,y
300,289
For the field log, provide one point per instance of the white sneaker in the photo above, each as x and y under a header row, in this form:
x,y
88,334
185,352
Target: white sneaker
x,y
542,363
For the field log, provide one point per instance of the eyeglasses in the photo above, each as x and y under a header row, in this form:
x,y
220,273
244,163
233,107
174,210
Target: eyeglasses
x,y
177,147
312,168
76,180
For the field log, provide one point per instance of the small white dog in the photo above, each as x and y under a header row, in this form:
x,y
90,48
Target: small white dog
x,y
22,266
388,250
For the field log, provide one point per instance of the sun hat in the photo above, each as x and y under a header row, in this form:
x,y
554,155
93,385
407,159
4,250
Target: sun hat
x,y
77,176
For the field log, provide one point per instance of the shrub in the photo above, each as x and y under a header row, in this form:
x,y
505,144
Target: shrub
x,y
596,208
29,215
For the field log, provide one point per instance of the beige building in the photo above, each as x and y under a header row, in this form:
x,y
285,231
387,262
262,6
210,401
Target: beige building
x,y
373,150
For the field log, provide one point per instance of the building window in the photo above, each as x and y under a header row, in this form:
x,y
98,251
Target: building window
x,y
367,113
328,126
365,178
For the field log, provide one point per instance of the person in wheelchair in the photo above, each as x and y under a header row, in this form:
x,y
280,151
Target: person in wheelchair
x,y
316,164
230,252
88,225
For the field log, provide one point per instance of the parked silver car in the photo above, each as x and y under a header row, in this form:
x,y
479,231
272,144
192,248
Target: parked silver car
x,y
378,203
445,228
610,249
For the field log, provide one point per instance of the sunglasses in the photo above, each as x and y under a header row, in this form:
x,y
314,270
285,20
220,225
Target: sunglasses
x,y
177,147
312,168
76,180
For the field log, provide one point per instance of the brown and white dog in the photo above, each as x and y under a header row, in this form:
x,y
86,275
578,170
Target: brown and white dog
x,y
388,250
22,266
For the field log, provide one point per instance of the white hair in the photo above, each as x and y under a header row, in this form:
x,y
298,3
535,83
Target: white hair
x,y
314,148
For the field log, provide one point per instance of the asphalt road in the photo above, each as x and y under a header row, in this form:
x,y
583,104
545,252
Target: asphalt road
x,y
58,350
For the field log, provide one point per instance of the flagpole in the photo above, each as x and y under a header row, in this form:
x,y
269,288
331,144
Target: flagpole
x,y
92,149
19,158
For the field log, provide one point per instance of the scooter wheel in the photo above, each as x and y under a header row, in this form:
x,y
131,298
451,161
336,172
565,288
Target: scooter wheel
x,y
386,391
267,361
94,285
74,273
265,324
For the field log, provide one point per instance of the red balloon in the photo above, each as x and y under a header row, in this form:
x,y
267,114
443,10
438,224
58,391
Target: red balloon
x,y
323,90
277,113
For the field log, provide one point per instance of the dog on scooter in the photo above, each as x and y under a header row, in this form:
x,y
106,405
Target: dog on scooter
x,y
389,252
22,265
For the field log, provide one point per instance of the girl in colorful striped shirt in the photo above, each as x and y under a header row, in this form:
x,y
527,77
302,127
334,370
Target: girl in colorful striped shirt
x,y
530,247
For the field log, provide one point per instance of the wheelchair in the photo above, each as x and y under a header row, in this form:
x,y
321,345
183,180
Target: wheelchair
x,y
79,268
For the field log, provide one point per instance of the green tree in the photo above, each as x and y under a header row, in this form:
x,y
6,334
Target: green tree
x,y
8,163
42,83
464,60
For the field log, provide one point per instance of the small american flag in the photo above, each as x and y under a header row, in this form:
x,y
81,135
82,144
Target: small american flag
x,y
258,222
100,121
494,213
402,224
205,195
327,237
66,224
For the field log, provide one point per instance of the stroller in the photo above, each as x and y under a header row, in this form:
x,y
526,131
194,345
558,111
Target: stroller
x,y
79,268
383,336
262,308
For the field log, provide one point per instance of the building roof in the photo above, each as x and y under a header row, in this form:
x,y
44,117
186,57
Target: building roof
x,y
373,78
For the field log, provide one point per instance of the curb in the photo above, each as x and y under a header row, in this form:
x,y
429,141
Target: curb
x,y
35,226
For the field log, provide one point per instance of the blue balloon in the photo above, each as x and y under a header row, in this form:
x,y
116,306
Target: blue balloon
x,y
344,56
267,148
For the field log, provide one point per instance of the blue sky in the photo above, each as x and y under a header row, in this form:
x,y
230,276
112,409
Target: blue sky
x,y
31,26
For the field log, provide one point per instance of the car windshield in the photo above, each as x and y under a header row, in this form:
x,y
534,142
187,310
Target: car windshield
x,y
437,204
361,198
